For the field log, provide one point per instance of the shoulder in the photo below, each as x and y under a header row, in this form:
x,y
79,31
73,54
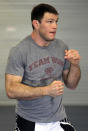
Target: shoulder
x,y
61,43
19,51
22,47
24,44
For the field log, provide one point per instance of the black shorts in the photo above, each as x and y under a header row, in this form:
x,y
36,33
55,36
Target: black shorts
x,y
25,125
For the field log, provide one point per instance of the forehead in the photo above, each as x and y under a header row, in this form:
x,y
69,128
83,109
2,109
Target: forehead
x,y
50,16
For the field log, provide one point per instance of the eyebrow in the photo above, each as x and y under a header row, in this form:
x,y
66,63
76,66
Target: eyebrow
x,y
53,19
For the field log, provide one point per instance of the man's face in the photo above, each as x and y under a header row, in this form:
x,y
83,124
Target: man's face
x,y
48,26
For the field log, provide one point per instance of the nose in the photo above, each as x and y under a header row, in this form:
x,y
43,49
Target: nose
x,y
54,25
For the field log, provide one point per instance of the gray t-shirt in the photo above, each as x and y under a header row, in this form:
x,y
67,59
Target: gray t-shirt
x,y
39,66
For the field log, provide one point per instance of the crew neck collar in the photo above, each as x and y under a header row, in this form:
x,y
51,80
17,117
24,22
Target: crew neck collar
x,y
42,47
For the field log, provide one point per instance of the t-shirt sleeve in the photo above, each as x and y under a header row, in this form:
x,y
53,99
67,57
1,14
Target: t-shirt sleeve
x,y
66,63
15,64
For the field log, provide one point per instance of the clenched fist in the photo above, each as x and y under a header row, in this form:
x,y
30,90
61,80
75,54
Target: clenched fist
x,y
56,88
72,56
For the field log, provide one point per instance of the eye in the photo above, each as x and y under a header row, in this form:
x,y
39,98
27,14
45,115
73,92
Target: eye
x,y
57,21
50,21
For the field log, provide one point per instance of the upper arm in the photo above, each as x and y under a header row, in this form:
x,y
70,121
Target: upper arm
x,y
15,63
10,80
14,70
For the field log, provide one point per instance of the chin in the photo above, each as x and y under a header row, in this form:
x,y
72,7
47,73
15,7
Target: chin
x,y
50,39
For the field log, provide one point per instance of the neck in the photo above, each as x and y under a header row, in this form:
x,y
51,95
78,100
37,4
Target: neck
x,y
38,40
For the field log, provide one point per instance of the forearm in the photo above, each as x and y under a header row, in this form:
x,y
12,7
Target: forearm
x,y
20,91
16,90
73,76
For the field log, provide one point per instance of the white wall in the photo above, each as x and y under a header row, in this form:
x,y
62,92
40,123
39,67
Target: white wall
x,y
73,29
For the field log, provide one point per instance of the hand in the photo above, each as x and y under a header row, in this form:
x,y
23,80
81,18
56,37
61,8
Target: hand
x,y
56,88
72,56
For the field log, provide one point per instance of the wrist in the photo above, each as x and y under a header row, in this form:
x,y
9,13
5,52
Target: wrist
x,y
75,65
45,90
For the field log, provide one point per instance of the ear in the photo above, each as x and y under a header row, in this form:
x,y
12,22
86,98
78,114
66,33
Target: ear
x,y
35,24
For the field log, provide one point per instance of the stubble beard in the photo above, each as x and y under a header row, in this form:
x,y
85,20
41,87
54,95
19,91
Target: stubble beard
x,y
45,38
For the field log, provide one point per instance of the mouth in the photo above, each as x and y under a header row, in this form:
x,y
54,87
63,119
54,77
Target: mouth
x,y
53,33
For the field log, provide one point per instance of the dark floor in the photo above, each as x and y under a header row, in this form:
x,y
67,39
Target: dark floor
x,y
78,116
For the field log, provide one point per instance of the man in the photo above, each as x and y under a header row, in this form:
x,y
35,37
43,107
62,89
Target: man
x,y
36,72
